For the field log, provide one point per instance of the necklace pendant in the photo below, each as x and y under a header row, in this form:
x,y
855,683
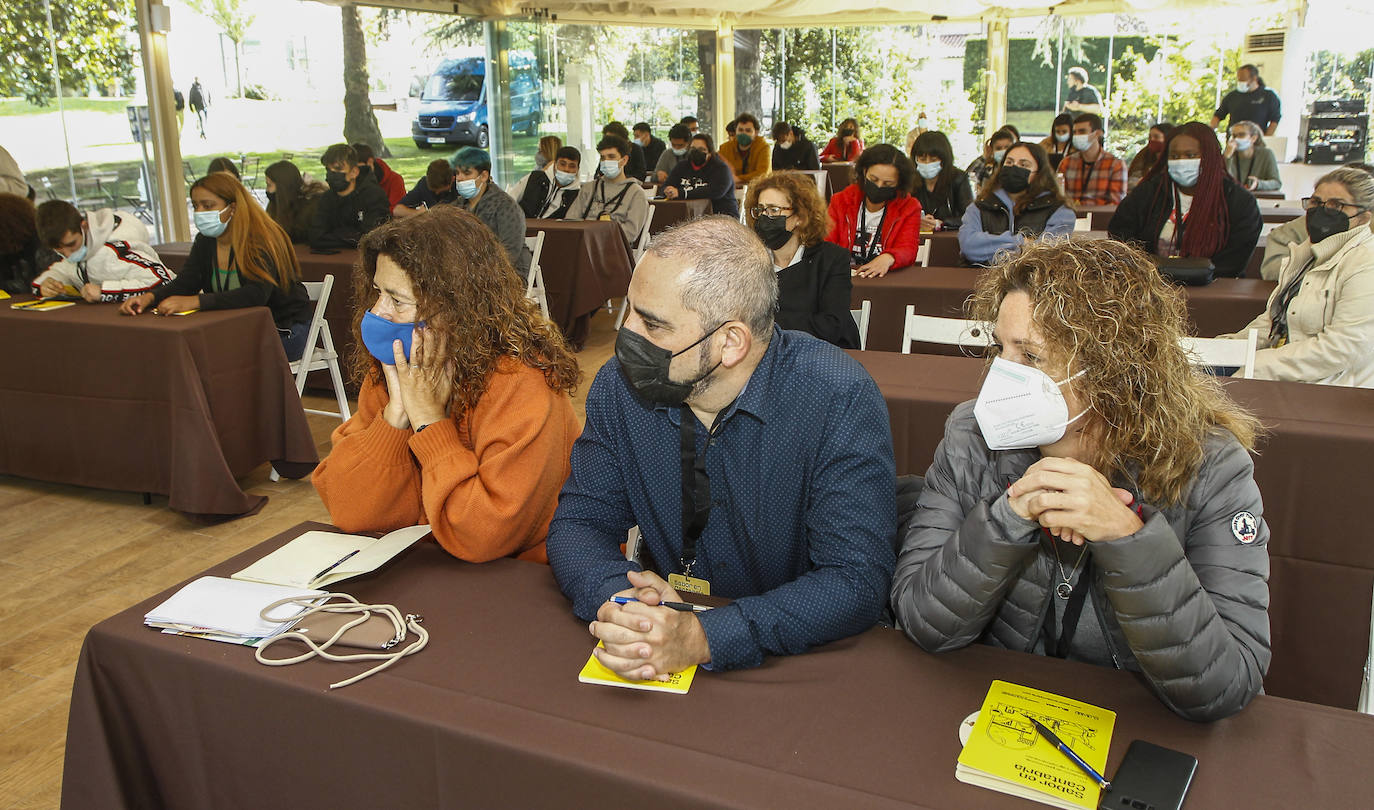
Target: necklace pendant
x,y
1063,590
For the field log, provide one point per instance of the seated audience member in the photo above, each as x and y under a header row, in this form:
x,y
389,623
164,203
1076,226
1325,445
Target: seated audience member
x,y
730,128
1092,175
1318,326
22,255
690,121
653,147
223,164
464,417
240,258
942,188
994,149
391,182
291,201
636,166
1279,240
615,195
678,139
105,256
789,216
703,175
549,193
875,219
1020,202
1059,143
432,190
353,205
547,152
1249,161
1132,533
846,145
747,152
806,556
1148,155
1190,207
791,150
479,194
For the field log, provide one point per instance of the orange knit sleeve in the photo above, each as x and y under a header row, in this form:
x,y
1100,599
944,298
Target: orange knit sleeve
x,y
369,481
497,498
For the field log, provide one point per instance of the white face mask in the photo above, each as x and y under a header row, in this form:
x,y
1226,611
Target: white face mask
x,y
784,144
1021,407
1244,143
1084,142
1242,87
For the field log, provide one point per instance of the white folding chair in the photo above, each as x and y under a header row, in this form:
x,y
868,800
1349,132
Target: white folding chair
x,y
1224,352
641,247
1366,702
319,354
534,289
861,320
923,253
945,331
1083,223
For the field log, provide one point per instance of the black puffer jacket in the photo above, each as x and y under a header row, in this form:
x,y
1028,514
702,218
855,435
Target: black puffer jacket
x,y
1183,601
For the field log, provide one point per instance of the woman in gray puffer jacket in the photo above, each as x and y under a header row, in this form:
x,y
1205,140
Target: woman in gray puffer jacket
x,y
1098,501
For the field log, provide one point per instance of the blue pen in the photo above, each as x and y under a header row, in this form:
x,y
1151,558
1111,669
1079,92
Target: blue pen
x,y
682,606
1068,752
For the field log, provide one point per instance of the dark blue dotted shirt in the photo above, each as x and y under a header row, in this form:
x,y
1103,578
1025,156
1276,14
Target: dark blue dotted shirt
x,y
802,492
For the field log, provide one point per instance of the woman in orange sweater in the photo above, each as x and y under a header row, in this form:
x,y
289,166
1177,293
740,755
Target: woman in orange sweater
x,y
464,417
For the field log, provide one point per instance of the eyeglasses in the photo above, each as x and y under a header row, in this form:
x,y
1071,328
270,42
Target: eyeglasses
x,y
1335,205
768,210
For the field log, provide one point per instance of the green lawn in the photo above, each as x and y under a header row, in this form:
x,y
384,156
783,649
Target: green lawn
x,y
18,106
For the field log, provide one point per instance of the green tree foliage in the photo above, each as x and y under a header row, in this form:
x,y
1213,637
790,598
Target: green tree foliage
x,y
1033,84
1334,75
1175,81
233,19
93,47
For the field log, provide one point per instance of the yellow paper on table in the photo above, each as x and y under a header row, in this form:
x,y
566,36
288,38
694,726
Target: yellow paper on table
x,y
41,305
1006,754
4,295
186,312
596,672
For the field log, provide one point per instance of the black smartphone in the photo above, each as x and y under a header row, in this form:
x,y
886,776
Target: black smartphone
x,y
1150,778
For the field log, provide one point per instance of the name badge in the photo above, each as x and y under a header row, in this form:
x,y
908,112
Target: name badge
x,y
604,218
686,584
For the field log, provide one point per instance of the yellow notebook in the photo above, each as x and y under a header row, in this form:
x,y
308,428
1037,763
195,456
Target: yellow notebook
x,y
595,672
1006,754
41,305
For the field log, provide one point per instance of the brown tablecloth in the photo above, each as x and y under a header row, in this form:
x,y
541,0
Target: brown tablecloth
x,y
944,247
179,406
1100,215
585,263
1310,469
1225,305
668,213
491,714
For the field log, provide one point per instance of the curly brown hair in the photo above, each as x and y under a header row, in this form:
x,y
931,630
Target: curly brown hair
x,y
1104,310
468,295
806,203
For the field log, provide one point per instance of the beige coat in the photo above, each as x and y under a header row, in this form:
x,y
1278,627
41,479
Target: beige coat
x,y
1331,321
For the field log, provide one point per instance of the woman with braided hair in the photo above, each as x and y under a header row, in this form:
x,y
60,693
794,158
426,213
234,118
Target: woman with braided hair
x,y
1188,206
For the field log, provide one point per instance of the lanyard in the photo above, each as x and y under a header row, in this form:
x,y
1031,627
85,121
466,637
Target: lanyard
x,y
1278,317
1087,178
696,490
601,192
865,244
219,281
1241,177
1057,640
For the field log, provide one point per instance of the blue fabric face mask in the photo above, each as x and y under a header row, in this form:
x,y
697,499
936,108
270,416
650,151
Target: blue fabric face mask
x,y
930,170
79,255
467,188
1184,171
378,333
209,224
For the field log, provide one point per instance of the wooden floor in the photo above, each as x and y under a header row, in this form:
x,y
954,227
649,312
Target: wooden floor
x,y
70,557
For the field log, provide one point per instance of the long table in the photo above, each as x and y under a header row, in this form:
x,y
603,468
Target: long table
x,y
491,714
944,248
668,213
171,405
1312,469
1223,306
1099,215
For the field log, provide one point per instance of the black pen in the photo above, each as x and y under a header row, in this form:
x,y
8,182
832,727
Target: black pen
x,y
682,606
345,559
1068,752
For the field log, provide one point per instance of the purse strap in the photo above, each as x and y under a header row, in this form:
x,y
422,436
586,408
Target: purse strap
x,y
409,623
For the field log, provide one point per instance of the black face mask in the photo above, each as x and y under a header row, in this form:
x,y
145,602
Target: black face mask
x,y
1015,179
377,171
1323,222
645,367
697,156
271,196
338,181
878,195
846,133
773,231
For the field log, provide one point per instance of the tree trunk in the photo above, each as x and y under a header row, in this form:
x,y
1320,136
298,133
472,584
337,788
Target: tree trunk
x,y
238,67
706,98
360,123
748,75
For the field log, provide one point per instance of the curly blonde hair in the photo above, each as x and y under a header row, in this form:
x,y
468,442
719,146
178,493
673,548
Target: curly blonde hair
x,y
806,201
1104,310
468,295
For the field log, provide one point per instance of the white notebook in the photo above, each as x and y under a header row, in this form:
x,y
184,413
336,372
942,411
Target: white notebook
x,y
227,607
313,559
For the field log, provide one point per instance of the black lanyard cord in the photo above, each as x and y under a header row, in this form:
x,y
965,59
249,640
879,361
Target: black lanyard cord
x,y
696,490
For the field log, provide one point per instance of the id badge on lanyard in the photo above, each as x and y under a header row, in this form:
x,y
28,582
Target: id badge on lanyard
x,y
696,506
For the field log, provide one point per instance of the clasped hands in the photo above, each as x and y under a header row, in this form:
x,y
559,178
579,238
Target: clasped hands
x,y
418,388
1073,501
645,641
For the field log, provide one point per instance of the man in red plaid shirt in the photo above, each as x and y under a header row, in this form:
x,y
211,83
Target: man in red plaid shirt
x,y
1091,175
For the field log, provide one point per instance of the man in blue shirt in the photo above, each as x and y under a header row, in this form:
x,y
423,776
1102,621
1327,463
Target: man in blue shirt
x,y
788,504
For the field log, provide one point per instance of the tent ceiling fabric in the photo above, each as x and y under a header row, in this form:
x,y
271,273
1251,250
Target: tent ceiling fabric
x,y
784,13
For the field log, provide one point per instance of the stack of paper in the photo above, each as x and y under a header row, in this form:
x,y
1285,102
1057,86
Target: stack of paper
x,y
227,610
